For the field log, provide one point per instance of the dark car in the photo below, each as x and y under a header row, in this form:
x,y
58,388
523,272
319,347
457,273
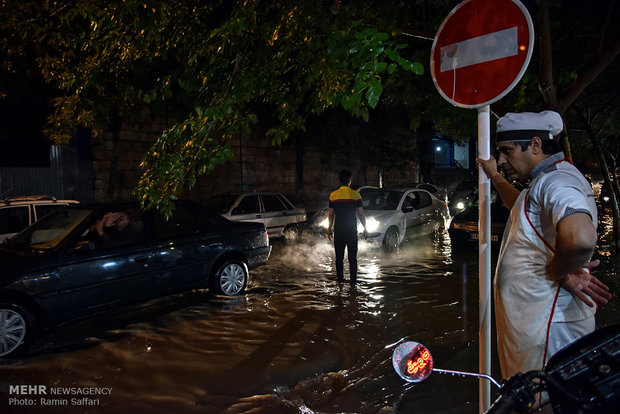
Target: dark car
x,y
462,196
464,226
84,258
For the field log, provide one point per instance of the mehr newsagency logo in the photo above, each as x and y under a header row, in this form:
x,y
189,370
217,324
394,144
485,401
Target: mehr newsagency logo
x,y
43,396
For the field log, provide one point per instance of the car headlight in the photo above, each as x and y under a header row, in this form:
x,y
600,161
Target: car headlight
x,y
460,205
372,225
324,223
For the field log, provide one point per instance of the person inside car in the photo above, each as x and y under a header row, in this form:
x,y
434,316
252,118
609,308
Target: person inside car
x,y
110,230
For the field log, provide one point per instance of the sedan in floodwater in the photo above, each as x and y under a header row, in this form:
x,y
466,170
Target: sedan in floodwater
x,y
396,214
276,212
86,258
464,225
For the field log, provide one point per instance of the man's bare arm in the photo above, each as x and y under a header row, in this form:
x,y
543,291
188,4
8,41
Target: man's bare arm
x,y
506,191
570,265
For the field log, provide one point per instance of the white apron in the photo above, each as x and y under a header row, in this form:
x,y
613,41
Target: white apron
x,y
525,301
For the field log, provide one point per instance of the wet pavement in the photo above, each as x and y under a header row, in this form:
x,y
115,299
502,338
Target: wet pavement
x,y
295,342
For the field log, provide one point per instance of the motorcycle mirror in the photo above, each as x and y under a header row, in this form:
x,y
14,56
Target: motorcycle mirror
x,y
413,362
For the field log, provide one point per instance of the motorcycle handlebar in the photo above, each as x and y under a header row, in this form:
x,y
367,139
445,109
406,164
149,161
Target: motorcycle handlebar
x,y
504,404
518,393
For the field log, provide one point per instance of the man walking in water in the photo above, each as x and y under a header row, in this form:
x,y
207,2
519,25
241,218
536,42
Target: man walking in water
x,y
345,206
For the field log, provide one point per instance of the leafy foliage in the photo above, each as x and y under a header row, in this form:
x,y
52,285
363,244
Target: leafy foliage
x,y
217,64
219,67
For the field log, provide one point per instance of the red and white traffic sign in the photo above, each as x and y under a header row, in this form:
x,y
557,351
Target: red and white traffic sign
x,y
481,51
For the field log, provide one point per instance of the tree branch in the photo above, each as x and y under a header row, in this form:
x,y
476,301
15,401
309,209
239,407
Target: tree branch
x,y
572,91
546,85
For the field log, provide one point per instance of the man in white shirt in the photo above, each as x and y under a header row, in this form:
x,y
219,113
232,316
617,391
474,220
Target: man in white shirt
x,y
545,294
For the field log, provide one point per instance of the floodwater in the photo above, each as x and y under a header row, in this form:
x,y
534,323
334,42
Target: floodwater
x,y
295,342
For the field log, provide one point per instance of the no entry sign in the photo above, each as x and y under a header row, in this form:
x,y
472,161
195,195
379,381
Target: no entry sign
x,y
481,51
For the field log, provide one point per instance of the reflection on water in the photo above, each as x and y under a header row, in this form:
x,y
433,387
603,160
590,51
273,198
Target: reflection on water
x,y
296,342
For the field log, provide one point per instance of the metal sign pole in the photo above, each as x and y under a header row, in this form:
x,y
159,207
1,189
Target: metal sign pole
x,y
484,257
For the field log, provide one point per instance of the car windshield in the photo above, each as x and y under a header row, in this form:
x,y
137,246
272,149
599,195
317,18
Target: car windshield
x,y
378,199
221,202
495,198
466,185
48,232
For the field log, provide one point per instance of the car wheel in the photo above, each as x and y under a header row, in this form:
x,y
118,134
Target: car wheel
x,y
231,278
390,240
291,233
15,327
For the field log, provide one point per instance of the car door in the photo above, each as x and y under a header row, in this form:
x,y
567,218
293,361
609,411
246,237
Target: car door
x,y
411,210
248,208
426,211
100,276
186,246
275,214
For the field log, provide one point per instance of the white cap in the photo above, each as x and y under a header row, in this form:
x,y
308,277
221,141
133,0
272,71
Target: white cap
x,y
527,125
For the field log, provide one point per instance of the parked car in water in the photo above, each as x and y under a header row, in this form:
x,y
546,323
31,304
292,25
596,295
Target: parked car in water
x,y
464,225
439,193
84,258
462,196
395,214
17,213
280,217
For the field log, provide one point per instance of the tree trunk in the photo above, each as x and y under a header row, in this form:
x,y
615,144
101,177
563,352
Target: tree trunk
x,y
607,183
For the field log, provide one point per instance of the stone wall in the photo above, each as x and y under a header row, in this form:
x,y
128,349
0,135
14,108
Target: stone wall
x,y
305,176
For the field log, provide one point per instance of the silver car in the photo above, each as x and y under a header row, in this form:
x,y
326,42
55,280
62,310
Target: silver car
x,y
396,214
280,217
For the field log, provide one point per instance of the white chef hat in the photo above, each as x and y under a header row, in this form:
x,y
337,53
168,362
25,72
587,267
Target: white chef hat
x,y
527,125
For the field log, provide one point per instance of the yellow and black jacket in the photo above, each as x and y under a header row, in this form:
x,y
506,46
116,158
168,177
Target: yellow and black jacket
x,y
345,202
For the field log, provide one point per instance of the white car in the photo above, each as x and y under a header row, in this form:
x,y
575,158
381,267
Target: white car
x,y
17,213
280,217
396,214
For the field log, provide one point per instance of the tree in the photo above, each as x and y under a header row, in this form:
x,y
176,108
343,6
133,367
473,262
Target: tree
x,y
594,115
218,64
599,40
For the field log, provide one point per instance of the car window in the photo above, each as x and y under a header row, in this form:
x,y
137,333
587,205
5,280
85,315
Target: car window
x,y
381,199
42,210
248,205
221,202
271,202
287,203
412,200
14,219
52,229
425,199
116,227
182,222
466,185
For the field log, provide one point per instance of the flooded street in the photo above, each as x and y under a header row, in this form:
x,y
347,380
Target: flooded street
x,y
295,342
